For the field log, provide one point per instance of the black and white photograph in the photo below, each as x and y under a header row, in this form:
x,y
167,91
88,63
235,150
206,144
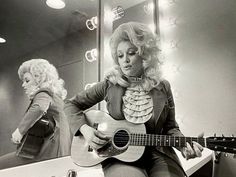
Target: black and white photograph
x,y
117,88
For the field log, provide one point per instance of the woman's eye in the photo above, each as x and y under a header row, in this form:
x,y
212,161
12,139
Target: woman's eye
x,y
132,52
120,55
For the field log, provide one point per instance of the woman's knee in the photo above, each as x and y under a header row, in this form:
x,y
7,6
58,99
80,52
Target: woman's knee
x,y
123,170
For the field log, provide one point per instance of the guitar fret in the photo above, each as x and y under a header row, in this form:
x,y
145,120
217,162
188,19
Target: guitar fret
x,y
147,138
150,140
160,140
164,141
153,140
137,139
141,139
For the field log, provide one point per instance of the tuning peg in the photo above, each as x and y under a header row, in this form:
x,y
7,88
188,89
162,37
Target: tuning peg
x,y
214,134
223,135
226,154
217,156
232,135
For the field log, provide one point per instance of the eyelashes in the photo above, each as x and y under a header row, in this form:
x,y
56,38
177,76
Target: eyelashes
x,y
130,53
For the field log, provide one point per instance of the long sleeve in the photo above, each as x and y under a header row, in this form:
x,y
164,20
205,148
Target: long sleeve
x,y
75,106
38,107
171,127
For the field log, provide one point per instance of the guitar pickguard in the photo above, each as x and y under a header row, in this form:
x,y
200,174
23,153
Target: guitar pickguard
x,y
109,150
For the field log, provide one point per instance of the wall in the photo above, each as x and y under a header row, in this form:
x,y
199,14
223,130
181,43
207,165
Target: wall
x,y
199,47
13,104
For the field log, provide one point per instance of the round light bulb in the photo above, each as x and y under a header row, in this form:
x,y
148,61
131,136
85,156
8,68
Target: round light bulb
x,y
2,40
56,4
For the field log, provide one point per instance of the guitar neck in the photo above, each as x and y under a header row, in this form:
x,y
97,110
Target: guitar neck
x,y
163,140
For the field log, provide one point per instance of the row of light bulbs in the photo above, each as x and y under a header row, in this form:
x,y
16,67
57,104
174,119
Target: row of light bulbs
x,y
115,14
168,46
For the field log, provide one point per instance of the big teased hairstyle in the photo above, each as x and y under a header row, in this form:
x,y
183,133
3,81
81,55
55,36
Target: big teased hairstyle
x,y
45,75
147,44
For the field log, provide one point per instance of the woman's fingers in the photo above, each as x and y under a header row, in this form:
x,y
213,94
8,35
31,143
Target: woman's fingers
x,y
190,152
198,149
99,141
101,135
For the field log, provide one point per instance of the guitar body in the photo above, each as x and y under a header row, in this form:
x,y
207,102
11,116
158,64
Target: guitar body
x,y
33,140
82,154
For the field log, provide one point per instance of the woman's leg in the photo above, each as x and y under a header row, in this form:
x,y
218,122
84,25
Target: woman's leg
x,y
120,169
162,166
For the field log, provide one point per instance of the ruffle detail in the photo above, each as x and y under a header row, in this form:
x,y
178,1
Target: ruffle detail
x,y
137,105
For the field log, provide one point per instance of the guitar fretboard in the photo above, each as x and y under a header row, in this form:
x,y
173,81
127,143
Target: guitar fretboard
x,y
163,140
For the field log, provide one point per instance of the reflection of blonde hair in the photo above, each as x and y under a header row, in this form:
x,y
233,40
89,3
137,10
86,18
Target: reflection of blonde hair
x,y
146,42
45,75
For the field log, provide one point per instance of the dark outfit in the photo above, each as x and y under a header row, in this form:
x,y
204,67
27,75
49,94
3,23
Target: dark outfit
x,y
156,161
56,145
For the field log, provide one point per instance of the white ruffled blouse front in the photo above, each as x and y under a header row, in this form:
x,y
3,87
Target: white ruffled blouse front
x,y
137,105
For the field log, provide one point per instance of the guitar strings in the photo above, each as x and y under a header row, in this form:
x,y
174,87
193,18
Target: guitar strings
x,y
154,139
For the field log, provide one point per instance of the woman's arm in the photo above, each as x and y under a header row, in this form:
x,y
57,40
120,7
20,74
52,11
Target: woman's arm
x,y
171,127
39,106
75,106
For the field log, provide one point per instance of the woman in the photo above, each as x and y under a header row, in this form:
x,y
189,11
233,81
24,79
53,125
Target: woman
x,y
44,88
135,91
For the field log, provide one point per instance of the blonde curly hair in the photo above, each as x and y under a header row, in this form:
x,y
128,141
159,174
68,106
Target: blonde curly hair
x,y
45,75
146,42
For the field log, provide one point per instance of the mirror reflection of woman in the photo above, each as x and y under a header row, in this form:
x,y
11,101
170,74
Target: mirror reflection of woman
x,y
135,76
44,88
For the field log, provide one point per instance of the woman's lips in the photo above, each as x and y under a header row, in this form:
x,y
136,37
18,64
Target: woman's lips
x,y
127,67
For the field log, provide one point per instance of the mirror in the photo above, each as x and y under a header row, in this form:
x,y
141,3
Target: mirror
x,y
66,37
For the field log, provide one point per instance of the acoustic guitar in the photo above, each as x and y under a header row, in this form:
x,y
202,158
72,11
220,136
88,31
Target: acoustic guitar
x,y
128,141
33,140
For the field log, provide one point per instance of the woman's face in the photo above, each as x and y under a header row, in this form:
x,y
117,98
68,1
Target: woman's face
x,y
129,60
29,84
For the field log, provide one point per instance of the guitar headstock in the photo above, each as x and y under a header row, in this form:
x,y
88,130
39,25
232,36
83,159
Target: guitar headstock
x,y
223,144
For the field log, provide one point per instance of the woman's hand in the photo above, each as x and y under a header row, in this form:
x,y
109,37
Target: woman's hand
x,y
93,137
16,136
193,151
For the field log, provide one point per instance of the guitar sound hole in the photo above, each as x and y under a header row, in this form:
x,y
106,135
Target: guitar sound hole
x,y
121,138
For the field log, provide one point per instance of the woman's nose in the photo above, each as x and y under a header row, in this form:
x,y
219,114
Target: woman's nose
x,y
127,60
